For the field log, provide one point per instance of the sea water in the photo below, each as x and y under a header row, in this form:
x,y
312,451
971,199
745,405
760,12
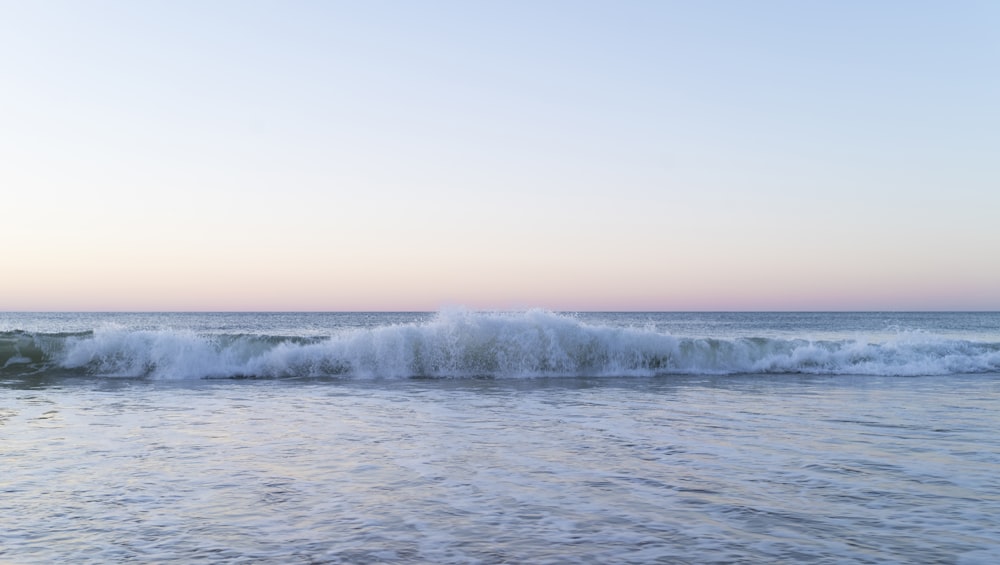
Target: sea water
x,y
472,437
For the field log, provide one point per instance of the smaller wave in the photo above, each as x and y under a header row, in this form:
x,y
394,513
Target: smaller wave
x,y
20,349
472,344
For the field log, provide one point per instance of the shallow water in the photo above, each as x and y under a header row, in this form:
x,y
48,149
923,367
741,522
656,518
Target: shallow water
x,y
681,469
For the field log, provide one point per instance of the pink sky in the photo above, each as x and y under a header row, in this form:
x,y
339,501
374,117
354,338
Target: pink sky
x,y
645,156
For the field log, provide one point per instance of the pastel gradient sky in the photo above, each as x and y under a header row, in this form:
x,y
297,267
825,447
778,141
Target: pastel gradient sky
x,y
572,155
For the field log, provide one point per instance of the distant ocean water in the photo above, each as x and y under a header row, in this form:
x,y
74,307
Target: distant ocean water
x,y
465,436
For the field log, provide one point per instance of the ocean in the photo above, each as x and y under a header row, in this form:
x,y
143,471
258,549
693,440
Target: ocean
x,y
499,437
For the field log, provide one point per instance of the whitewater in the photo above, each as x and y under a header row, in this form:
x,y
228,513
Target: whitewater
x,y
499,437
461,343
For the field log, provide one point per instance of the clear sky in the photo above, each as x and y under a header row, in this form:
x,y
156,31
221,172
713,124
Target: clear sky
x,y
572,155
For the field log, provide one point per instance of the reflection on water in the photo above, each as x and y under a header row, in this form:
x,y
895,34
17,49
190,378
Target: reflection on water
x,y
700,469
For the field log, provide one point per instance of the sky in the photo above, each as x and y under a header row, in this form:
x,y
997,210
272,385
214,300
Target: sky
x,y
569,155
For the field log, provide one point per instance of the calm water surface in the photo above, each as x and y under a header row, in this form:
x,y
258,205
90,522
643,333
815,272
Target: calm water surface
x,y
687,469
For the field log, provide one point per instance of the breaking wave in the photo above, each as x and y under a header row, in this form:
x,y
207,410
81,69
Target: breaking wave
x,y
476,344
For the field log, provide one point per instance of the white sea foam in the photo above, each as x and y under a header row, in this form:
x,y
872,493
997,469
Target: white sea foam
x,y
461,343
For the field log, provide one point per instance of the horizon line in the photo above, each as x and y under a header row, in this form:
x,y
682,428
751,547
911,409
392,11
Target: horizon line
x,y
515,310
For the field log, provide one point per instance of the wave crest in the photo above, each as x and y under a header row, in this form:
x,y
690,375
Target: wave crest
x,y
462,343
